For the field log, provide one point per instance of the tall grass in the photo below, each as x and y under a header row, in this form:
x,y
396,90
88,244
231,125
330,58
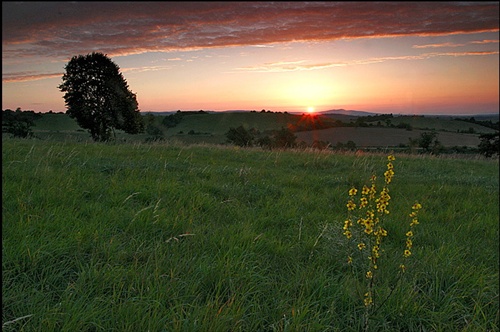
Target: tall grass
x,y
165,237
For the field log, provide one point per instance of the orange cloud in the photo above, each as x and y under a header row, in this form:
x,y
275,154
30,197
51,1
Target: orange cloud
x,y
63,29
27,76
438,45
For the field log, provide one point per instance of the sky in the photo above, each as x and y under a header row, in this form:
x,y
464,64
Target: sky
x,y
381,57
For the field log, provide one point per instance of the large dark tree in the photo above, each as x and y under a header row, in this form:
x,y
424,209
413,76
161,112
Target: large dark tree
x,y
98,97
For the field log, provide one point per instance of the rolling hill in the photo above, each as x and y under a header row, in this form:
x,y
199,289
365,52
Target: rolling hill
x,y
364,131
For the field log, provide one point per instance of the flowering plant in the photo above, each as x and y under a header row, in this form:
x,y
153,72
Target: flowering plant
x,y
364,229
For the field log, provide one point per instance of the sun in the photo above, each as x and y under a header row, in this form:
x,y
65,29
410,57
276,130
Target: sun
x,y
310,110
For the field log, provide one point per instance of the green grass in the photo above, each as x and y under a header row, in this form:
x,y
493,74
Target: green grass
x,y
168,237
211,128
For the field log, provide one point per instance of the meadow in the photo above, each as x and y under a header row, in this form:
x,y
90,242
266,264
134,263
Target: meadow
x,y
211,128
173,237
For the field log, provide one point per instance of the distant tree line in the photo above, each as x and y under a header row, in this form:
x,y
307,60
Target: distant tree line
x,y
18,123
484,123
173,120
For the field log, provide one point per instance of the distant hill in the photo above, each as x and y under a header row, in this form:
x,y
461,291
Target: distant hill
x,y
348,112
365,129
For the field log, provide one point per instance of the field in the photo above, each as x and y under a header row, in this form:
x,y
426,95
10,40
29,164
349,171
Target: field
x,y
174,237
212,127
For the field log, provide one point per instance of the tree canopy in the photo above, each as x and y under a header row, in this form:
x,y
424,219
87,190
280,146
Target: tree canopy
x,y
98,97
18,123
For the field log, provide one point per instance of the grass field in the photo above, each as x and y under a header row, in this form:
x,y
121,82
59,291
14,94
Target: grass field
x,y
170,237
383,137
211,128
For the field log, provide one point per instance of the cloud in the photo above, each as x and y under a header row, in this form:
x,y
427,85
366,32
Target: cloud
x,y
284,66
302,64
487,41
64,29
144,69
438,45
455,45
27,76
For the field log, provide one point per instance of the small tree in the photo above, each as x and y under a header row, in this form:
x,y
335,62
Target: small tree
x,y
154,132
240,136
429,143
98,97
489,145
284,138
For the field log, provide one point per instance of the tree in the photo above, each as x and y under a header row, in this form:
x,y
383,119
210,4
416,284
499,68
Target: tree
x,y
98,97
489,145
429,143
154,132
18,123
240,136
284,138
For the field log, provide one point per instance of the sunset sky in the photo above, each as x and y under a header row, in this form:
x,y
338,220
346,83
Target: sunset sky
x,y
382,57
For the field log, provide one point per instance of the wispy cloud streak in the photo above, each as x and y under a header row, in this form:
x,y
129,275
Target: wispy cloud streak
x,y
27,76
456,45
302,65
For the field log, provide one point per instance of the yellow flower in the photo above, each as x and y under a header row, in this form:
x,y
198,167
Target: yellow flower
x,y
348,234
365,190
414,222
403,268
347,224
351,205
363,202
369,275
388,176
407,253
361,246
368,299
416,206
409,234
353,191
349,260
391,158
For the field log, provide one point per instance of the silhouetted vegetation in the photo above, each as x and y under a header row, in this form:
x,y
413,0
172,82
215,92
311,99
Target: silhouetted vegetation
x,y
428,142
283,138
348,146
18,123
155,133
173,120
485,123
240,136
98,97
489,145
271,130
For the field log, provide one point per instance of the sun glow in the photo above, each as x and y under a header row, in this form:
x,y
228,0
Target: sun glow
x,y
310,109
